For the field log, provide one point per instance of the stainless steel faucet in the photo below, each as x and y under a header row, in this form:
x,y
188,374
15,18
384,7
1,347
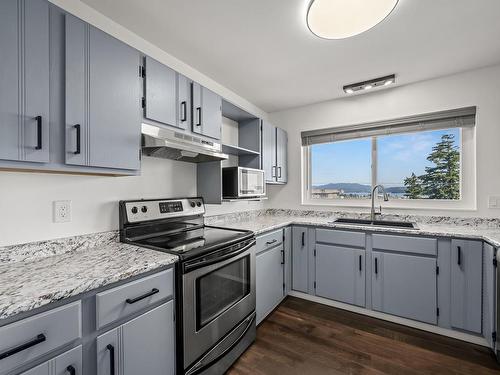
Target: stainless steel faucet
x,y
386,198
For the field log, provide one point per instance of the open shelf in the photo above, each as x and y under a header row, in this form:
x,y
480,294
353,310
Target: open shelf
x,y
235,150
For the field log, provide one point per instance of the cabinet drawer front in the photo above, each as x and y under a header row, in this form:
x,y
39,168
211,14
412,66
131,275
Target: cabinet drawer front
x,y
340,237
416,245
127,299
39,335
268,240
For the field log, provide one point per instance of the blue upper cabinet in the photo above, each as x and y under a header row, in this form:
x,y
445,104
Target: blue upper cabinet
x,y
206,112
160,93
24,80
103,94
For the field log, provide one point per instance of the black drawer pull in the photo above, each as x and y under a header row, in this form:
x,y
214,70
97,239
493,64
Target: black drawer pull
x,y
360,260
459,255
78,139
148,294
183,111
38,132
376,266
71,370
37,340
282,256
111,349
303,239
271,242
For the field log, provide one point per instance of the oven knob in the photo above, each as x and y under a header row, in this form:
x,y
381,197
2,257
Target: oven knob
x,y
134,210
144,209
198,204
193,204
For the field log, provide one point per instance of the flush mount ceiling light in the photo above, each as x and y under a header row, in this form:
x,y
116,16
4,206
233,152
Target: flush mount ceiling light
x,y
367,85
339,19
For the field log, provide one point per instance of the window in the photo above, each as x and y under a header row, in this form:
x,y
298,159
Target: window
x,y
416,164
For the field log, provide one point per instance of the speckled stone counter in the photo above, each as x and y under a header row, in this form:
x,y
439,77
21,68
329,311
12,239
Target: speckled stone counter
x,y
33,275
261,221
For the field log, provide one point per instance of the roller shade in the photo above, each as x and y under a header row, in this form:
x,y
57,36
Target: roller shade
x,y
455,118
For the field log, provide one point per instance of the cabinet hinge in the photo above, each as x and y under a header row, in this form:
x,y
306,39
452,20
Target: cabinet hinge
x,y
142,71
143,102
494,336
315,285
437,270
437,311
495,261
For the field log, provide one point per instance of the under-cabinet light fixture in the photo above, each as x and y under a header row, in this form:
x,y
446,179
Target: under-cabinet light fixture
x,y
367,85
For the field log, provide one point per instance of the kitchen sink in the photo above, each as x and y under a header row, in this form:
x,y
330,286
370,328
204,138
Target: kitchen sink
x,y
378,223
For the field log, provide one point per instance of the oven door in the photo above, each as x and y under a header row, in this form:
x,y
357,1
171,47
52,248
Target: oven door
x,y
251,182
217,297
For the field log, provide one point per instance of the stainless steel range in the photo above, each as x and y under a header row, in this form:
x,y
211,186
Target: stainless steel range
x,y
215,289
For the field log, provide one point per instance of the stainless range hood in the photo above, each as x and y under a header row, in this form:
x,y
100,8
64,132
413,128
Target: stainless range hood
x,y
170,144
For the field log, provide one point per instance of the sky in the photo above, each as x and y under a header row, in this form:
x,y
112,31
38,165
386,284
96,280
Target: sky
x,y
398,156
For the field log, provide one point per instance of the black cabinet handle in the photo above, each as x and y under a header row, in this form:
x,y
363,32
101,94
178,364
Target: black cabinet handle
x,y
78,139
459,255
111,349
38,132
360,260
282,256
37,340
198,110
376,266
183,111
137,299
303,239
271,242
71,370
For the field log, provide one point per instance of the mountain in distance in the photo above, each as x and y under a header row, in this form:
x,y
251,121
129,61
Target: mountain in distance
x,y
351,187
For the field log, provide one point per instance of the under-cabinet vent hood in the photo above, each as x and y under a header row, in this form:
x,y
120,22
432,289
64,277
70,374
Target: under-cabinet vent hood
x,y
170,144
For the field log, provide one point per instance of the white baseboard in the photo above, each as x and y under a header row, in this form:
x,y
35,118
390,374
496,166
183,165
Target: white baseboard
x,y
394,319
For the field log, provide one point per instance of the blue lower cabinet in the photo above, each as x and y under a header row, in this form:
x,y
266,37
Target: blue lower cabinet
x,y
68,363
300,256
466,285
269,274
144,345
405,286
340,274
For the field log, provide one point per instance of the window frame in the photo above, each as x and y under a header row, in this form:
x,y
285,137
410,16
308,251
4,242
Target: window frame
x,y
467,201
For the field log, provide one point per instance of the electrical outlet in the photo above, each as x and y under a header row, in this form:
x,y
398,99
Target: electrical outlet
x,y
493,201
62,211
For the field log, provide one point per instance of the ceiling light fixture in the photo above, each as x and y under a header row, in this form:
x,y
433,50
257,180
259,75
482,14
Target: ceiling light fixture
x,y
339,19
367,85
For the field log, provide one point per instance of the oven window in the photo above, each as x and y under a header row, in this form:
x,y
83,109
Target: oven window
x,y
219,290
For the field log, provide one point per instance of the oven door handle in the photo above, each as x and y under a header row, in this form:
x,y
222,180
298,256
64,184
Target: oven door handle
x,y
208,360
203,263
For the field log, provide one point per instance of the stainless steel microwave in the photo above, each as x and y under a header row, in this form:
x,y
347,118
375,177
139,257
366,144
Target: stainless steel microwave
x,y
239,182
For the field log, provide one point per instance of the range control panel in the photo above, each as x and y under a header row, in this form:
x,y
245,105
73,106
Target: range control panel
x,y
145,210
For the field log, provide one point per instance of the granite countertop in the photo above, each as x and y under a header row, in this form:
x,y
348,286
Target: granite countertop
x,y
267,222
41,275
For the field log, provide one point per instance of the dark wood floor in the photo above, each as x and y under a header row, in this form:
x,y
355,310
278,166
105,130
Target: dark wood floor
x,y
307,338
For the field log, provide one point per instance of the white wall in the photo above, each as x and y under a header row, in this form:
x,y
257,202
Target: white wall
x,y
480,88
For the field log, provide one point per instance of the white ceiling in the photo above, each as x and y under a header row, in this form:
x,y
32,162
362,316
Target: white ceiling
x,y
263,51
